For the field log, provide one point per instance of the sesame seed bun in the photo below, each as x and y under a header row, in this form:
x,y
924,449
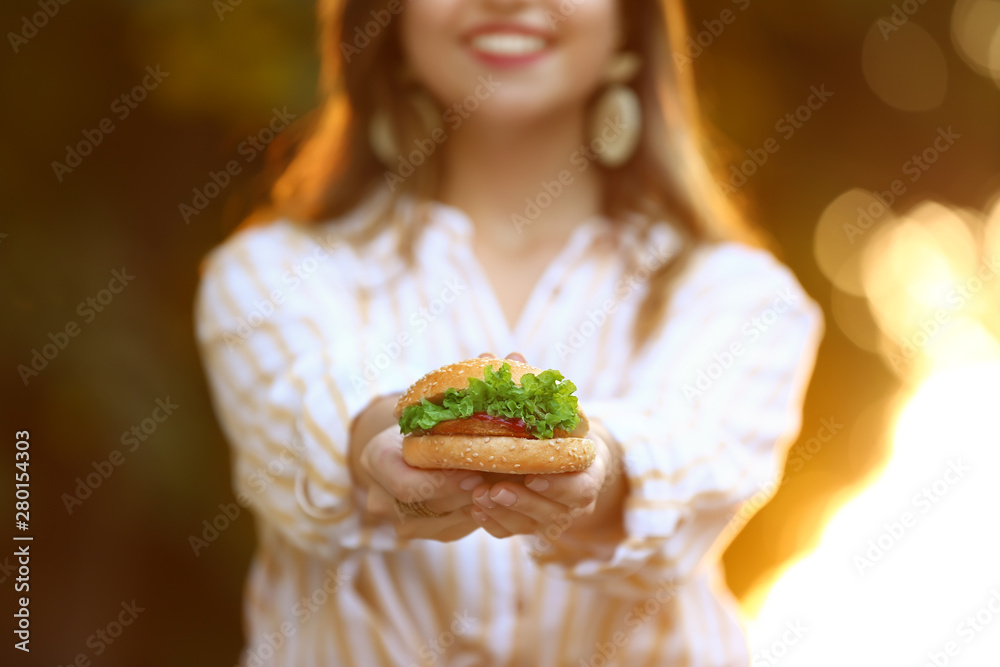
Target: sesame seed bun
x,y
502,454
496,453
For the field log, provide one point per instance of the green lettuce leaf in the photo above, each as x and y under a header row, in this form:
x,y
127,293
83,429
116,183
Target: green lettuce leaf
x,y
545,402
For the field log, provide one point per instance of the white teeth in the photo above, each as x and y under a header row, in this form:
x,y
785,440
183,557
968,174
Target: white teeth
x,y
508,44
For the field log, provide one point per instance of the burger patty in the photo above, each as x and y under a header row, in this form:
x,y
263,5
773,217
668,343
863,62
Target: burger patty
x,y
482,423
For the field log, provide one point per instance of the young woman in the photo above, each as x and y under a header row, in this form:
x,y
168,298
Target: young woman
x,y
500,175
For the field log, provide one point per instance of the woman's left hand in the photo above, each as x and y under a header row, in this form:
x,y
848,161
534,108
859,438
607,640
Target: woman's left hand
x,y
586,504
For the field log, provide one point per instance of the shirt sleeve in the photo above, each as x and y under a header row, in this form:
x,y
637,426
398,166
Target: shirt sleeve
x,y
276,331
704,422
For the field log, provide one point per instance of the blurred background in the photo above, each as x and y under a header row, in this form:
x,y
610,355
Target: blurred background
x,y
882,198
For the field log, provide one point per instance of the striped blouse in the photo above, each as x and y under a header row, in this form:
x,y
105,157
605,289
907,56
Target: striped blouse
x,y
300,330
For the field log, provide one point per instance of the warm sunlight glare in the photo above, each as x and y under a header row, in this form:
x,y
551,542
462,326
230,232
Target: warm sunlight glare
x,y
909,570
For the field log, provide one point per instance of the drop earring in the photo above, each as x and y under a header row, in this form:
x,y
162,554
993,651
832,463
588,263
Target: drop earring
x,y
382,136
616,120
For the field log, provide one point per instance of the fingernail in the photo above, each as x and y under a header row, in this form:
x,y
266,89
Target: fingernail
x,y
505,497
478,514
538,484
516,356
484,500
469,483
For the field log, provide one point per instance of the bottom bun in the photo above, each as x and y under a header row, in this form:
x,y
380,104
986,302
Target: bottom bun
x,y
503,454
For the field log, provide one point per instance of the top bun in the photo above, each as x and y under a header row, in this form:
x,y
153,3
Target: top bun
x,y
433,385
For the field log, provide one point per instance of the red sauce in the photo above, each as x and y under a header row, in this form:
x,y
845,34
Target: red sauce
x,y
516,425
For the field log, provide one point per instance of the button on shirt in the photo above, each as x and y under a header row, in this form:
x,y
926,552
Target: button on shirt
x,y
300,330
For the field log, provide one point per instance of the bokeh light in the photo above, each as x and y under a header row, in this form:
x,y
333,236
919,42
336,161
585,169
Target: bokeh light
x,y
975,31
865,593
839,195
900,566
905,66
841,234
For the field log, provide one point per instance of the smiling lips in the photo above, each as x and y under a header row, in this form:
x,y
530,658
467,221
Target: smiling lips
x,y
508,44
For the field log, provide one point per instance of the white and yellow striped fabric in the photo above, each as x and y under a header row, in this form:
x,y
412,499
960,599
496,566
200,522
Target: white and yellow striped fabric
x,y
299,331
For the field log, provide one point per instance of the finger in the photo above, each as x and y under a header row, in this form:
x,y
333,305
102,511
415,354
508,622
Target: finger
x,y
502,522
441,490
488,524
521,510
379,502
517,356
457,532
571,489
452,526
487,355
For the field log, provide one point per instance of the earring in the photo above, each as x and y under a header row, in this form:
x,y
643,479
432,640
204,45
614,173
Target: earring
x,y
617,109
382,137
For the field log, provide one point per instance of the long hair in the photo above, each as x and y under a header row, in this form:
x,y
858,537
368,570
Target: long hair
x,y
334,167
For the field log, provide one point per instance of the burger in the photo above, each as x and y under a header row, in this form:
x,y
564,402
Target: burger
x,y
497,416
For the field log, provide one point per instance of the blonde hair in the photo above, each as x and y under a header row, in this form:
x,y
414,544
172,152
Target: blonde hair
x,y
333,167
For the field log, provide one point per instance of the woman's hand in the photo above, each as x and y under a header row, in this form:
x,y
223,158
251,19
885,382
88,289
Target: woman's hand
x,y
585,505
382,477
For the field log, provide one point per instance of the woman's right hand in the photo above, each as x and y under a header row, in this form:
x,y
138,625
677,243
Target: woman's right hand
x,y
382,477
